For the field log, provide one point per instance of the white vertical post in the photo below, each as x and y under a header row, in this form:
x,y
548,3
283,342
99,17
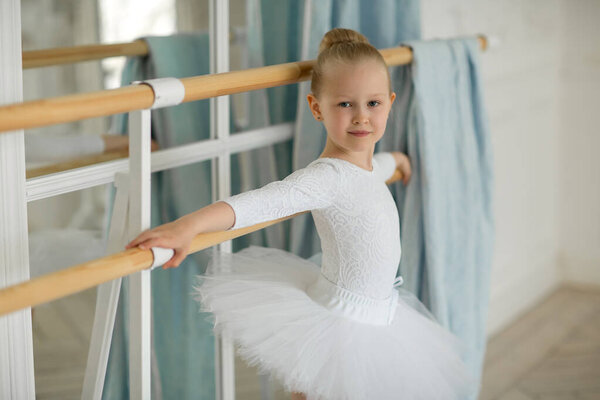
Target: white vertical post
x,y
221,176
139,282
16,345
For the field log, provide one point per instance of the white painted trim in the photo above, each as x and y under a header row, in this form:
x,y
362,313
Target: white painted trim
x,y
221,176
103,173
16,344
140,328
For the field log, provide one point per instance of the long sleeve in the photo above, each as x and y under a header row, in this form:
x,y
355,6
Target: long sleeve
x,y
309,188
387,165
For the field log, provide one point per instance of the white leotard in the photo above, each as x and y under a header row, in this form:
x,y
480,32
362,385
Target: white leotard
x,y
355,216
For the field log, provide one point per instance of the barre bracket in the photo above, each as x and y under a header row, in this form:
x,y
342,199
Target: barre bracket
x,y
167,91
161,256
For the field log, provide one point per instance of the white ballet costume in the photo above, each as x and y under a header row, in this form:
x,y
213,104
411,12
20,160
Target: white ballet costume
x,y
342,330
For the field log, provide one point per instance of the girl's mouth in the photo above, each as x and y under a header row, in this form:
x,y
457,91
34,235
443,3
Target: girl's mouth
x,y
359,133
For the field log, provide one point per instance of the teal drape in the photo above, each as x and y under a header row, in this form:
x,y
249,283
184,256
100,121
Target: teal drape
x,y
446,215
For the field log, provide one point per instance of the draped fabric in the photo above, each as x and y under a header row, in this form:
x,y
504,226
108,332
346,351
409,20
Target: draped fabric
x,y
446,212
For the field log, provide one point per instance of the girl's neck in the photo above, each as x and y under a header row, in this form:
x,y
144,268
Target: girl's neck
x,y
360,159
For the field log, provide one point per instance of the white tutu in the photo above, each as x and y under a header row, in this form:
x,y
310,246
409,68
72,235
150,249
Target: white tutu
x,y
258,296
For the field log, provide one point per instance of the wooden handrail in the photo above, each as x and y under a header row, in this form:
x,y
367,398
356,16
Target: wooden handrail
x,y
75,163
75,54
92,273
76,107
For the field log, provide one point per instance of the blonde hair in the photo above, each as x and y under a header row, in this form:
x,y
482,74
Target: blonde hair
x,y
343,46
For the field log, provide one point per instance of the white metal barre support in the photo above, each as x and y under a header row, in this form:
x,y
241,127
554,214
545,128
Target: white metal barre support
x,y
167,92
107,298
139,283
221,176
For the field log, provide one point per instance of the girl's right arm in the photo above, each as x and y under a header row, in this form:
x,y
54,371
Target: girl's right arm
x,y
305,189
178,235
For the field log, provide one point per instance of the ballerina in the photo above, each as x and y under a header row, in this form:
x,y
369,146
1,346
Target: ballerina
x,y
344,329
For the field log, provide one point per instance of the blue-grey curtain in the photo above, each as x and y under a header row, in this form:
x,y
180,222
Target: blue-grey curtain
x,y
446,211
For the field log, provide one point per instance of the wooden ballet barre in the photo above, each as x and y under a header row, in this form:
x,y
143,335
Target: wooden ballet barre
x,y
75,163
56,110
92,273
75,54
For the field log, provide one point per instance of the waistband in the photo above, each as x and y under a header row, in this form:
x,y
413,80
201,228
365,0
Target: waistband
x,y
352,305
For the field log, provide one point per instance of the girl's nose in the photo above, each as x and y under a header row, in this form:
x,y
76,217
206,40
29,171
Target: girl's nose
x,y
361,117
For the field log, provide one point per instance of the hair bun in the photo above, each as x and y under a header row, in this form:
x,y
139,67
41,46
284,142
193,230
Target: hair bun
x,y
339,36
343,46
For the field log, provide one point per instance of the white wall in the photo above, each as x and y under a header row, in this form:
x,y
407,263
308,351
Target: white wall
x,y
579,174
538,89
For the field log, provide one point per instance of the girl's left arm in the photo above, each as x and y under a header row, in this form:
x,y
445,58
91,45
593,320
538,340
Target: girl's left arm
x,y
403,164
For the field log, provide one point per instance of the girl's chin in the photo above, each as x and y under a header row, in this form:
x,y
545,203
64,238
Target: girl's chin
x,y
360,148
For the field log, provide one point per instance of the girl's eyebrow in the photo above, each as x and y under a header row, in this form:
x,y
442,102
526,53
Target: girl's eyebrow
x,y
339,96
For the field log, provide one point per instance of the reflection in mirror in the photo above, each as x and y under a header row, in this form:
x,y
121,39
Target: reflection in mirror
x,y
72,228
72,23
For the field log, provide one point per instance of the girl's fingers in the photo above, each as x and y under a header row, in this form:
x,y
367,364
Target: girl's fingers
x,y
405,176
139,239
175,260
156,242
147,242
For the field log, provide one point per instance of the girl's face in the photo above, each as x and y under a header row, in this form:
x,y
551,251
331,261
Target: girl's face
x,y
354,105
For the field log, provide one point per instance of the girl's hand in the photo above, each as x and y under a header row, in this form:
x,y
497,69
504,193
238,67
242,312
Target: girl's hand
x,y
403,164
176,235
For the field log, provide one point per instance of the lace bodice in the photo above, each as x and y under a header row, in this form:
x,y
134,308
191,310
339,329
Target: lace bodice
x,y
355,216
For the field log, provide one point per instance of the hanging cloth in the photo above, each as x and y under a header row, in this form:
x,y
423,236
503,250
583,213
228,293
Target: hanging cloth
x,y
446,216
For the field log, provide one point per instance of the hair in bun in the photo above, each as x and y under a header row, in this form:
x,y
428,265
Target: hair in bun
x,y
345,46
338,36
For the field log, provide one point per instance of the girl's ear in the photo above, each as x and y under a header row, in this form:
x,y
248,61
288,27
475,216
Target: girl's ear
x,y
392,98
315,109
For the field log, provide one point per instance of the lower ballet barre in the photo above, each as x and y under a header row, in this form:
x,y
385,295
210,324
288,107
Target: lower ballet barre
x,y
92,273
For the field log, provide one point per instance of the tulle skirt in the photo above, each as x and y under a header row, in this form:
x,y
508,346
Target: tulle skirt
x,y
260,298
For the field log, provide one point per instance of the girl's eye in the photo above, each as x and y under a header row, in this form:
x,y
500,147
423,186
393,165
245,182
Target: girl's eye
x,y
373,103
344,104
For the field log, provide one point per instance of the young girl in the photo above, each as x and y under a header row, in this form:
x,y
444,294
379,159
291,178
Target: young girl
x,y
342,330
